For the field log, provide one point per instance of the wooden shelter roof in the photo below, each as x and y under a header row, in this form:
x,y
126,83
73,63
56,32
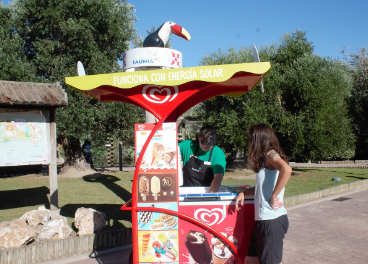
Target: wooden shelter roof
x,y
32,94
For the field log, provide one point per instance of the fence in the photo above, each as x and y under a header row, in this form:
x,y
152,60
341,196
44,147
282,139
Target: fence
x,y
57,249
109,155
343,161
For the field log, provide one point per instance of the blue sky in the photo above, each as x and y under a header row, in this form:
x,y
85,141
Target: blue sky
x,y
214,25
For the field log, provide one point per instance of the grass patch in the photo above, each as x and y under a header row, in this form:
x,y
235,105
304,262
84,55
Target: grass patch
x,y
307,180
107,192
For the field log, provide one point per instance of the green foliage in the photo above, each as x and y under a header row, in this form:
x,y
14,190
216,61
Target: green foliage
x,y
13,63
59,33
44,39
314,94
358,102
304,101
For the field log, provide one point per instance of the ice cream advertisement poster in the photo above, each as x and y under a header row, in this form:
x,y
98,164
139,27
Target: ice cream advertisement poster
x,y
158,246
197,245
157,187
200,248
148,220
161,152
23,138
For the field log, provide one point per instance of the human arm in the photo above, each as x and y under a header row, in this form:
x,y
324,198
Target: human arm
x,y
241,195
181,148
216,183
218,168
274,161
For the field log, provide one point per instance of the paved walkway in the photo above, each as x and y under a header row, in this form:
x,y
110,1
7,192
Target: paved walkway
x,y
329,230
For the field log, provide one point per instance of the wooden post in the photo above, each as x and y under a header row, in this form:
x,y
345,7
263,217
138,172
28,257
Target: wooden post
x,y
54,201
112,152
120,157
107,150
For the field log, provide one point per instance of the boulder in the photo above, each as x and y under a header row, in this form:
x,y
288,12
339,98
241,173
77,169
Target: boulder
x,y
56,228
15,233
36,217
89,221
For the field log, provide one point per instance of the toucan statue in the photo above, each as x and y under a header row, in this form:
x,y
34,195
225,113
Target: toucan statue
x,y
160,37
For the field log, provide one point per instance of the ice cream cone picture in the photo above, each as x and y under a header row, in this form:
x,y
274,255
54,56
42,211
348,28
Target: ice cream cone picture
x,y
145,241
221,253
155,186
143,187
157,151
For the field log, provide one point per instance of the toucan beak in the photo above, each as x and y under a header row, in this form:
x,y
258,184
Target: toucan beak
x,y
180,31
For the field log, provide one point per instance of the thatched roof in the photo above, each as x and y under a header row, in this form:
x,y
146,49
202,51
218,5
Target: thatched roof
x,y
32,94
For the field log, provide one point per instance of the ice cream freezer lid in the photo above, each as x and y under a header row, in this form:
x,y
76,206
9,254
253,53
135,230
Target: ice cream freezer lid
x,y
202,193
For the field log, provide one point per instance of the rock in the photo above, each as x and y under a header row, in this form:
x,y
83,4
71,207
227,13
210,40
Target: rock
x,y
89,221
36,217
15,233
41,224
56,228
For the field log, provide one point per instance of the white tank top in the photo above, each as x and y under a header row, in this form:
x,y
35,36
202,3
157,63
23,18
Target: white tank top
x,y
265,183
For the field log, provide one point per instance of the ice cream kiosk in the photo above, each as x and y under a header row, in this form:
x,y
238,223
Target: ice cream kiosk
x,y
173,224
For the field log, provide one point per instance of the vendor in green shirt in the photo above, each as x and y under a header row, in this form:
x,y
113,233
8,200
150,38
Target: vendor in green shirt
x,y
204,162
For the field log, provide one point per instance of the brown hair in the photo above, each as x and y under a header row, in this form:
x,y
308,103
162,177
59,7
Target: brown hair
x,y
262,139
206,131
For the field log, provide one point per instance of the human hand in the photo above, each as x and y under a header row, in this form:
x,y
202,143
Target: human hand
x,y
275,203
239,198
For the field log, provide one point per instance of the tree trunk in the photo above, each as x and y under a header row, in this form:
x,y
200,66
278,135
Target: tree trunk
x,y
74,157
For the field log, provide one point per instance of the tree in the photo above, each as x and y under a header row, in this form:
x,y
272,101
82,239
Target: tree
x,y
55,34
233,115
358,101
13,65
304,101
315,92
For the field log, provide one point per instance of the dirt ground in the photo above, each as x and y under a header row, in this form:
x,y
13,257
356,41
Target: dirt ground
x,y
70,173
74,173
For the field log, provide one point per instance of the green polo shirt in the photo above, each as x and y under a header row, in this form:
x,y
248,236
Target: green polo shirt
x,y
189,147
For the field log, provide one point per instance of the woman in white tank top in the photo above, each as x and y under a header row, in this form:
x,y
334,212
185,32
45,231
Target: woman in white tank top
x,y
268,160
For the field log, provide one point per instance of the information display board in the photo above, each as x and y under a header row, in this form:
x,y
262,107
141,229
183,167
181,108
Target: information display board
x,y
158,236
23,138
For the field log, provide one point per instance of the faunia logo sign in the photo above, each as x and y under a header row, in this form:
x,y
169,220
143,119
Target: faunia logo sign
x,y
159,94
210,217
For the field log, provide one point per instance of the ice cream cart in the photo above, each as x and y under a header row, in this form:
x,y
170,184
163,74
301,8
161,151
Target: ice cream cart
x,y
173,224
